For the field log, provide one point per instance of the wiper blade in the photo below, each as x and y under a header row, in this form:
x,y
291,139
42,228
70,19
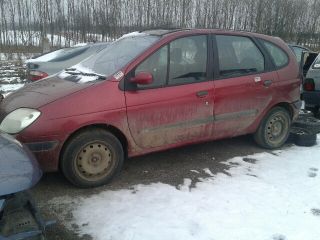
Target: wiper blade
x,y
74,71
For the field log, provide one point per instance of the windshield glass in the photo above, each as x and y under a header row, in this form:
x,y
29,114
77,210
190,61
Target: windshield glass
x,y
118,54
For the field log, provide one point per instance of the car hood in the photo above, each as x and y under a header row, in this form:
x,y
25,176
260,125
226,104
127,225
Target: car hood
x,y
40,93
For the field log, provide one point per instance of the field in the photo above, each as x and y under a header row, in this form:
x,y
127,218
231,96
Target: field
x,y
12,76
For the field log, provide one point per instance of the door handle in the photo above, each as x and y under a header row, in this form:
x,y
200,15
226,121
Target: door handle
x,y
267,83
202,94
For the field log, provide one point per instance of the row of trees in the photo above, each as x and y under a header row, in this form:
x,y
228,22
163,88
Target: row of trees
x,y
66,22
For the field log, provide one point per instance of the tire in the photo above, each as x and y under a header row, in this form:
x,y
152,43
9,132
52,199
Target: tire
x,y
17,217
274,129
306,122
92,158
305,113
302,137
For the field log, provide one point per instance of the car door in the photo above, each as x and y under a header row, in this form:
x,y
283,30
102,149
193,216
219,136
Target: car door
x,y
243,86
178,106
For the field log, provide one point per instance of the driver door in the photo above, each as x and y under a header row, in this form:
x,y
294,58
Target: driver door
x,y
178,106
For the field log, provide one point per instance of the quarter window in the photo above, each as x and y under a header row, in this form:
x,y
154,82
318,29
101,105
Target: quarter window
x,y
238,56
278,56
156,64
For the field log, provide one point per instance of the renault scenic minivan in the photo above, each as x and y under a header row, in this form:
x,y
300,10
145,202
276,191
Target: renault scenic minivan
x,y
155,90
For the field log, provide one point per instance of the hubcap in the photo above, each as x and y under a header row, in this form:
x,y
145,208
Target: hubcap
x,y
94,161
276,128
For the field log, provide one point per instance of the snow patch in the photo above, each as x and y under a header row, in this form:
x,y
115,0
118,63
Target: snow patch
x,y
133,34
273,198
10,87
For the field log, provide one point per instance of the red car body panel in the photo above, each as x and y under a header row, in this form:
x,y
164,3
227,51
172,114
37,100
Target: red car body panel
x,y
156,119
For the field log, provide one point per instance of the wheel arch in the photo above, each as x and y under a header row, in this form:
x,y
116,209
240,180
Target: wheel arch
x,y
286,106
115,131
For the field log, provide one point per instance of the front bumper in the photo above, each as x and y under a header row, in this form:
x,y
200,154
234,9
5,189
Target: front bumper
x,y
47,153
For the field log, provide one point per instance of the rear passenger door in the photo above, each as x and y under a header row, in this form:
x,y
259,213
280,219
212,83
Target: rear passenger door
x,y
243,84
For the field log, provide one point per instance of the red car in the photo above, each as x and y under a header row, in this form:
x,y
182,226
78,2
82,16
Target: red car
x,y
155,90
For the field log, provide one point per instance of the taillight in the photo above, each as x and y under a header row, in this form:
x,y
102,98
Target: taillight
x,y
308,85
36,75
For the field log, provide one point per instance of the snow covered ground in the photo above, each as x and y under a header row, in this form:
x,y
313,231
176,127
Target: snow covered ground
x,y
11,76
263,196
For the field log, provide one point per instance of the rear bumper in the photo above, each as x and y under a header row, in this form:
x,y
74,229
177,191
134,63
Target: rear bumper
x,y
312,99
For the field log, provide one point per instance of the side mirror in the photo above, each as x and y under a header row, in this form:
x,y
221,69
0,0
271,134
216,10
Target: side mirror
x,y
143,78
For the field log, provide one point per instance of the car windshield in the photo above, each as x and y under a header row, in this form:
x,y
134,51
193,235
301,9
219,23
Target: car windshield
x,y
117,55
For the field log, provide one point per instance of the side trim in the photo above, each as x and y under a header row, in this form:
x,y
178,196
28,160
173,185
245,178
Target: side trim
x,y
227,116
210,119
41,146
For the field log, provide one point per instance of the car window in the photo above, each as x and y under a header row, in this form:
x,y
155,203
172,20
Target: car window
x,y
61,54
298,52
278,56
188,60
118,54
316,63
238,56
156,64
69,53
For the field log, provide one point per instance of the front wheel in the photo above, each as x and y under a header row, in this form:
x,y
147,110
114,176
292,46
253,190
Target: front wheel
x,y
274,129
92,158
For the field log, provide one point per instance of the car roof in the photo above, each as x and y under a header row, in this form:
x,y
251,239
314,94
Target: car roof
x,y
170,31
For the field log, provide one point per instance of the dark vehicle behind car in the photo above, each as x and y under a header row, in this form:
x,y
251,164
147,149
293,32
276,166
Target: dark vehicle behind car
x,y
311,85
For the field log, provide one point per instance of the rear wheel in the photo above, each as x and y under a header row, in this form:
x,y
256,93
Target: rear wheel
x,y
274,129
92,158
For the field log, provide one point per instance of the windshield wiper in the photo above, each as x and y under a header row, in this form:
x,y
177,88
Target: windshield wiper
x,y
74,71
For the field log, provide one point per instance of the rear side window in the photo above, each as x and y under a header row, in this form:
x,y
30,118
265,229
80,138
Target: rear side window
x,y
278,56
238,56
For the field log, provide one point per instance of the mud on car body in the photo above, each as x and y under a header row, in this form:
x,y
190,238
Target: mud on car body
x,y
155,90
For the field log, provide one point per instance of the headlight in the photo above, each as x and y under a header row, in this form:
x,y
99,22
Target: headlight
x,y
18,120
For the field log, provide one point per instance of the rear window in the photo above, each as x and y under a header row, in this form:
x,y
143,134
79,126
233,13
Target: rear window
x,y
62,54
278,56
